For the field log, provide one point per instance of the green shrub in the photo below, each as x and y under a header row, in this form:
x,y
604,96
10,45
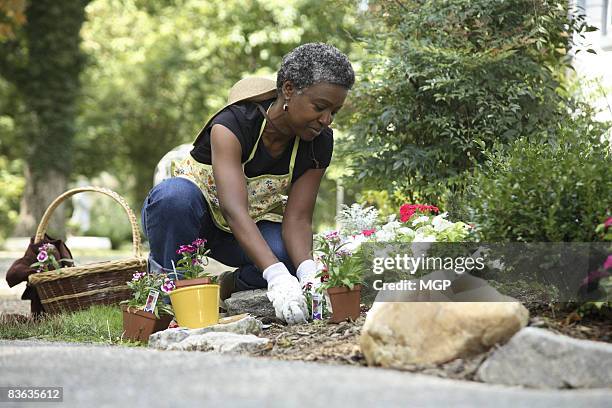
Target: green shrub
x,y
534,191
446,78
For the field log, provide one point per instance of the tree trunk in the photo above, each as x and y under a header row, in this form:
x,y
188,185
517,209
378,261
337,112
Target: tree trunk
x,y
48,84
39,193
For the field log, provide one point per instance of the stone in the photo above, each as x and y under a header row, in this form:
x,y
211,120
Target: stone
x,y
254,302
222,342
246,325
163,340
400,334
536,357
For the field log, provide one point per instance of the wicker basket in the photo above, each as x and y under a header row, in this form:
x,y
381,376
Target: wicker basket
x,y
79,287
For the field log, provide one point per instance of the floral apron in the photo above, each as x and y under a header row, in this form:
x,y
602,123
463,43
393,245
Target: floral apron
x,y
267,193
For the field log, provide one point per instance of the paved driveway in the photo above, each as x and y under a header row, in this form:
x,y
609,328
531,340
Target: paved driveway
x,y
112,376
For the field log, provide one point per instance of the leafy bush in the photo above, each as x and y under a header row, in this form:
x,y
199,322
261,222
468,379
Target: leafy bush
x,y
552,191
446,79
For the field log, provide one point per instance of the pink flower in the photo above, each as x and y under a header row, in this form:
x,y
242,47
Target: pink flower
x,y
186,249
608,222
333,237
42,256
137,276
608,263
200,242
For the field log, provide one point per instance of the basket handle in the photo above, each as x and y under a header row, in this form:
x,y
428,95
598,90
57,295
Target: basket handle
x,y
44,222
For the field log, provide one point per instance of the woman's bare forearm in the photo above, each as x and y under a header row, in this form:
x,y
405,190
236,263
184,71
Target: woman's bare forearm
x,y
250,239
297,236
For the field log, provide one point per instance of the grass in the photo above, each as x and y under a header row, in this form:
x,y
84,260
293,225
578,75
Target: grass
x,y
99,324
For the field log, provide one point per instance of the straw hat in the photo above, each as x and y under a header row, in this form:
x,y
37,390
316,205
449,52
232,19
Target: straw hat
x,y
252,88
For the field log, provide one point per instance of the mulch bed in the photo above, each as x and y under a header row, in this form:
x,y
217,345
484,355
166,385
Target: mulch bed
x,y
339,343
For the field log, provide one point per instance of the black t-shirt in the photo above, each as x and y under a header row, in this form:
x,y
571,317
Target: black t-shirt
x,y
244,120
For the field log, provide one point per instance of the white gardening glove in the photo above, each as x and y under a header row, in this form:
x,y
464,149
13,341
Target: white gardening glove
x,y
307,274
285,293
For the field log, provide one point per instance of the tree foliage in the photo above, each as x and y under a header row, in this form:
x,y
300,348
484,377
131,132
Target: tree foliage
x,y
159,70
446,80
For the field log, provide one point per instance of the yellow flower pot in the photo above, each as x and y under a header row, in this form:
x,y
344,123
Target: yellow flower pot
x,y
196,306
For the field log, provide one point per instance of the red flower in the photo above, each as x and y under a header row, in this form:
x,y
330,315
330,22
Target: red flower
x,y
324,278
408,210
368,232
608,222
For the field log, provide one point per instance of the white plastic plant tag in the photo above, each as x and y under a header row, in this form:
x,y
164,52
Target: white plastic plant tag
x,y
151,301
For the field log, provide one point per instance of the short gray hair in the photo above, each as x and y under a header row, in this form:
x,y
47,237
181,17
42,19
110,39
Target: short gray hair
x,y
312,63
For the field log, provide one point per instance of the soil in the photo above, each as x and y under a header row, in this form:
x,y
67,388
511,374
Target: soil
x,y
329,343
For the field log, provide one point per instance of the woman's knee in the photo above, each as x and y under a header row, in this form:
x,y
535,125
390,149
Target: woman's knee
x,y
175,197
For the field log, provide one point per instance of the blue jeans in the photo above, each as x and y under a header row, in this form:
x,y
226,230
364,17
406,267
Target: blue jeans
x,y
175,213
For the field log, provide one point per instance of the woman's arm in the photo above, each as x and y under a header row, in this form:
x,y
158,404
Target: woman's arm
x,y
226,154
297,220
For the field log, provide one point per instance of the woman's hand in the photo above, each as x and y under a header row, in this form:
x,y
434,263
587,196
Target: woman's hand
x,y
232,192
285,293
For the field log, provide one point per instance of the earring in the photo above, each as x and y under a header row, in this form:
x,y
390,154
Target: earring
x,y
285,106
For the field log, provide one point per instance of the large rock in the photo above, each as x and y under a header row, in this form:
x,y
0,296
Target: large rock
x,y
255,302
165,339
539,358
399,334
221,342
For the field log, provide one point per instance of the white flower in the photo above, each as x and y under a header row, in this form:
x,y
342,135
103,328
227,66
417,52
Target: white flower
x,y
419,237
354,242
440,223
405,231
384,236
391,226
420,220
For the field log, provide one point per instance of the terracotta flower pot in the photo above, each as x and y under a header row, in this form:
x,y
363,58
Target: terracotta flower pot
x,y
138,325
183,283
344,302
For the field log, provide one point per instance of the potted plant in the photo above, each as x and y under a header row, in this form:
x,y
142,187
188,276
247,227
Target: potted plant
x,y
341,276
147,311
193,265
195,300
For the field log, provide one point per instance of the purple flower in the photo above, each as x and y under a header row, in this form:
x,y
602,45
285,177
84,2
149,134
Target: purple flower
x,y
47,247
42,256
343,253
608,263
168,286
